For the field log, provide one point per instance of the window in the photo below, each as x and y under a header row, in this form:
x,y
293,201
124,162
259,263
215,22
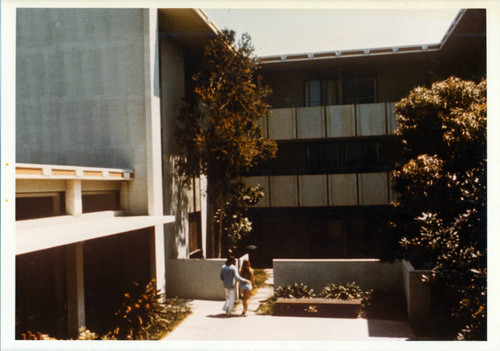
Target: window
x,y
358,90
321,92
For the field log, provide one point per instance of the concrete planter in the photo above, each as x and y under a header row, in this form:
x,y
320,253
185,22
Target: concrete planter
x,y
317,307
418,294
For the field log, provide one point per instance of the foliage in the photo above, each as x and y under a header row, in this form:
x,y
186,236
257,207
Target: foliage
x,y
85,334
142,314
347,291
441,209
218,125
231,213
293,291
260,277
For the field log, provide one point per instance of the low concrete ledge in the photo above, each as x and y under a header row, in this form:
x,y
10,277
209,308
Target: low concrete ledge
x,y
418,293
317,307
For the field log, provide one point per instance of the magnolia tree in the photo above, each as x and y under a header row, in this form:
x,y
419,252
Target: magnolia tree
x,y
219,129
441,209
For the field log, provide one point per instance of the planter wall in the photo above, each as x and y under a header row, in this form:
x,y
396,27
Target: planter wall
x,y
316,274
418,294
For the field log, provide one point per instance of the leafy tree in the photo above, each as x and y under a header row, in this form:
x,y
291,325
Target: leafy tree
x,y
219,128
441,209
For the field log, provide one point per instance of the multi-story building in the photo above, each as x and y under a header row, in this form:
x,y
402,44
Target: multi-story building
x,y
98,201
329,188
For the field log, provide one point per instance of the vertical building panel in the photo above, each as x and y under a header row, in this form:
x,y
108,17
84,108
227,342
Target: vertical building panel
x,y
263,182
391,117
282,124
373,189
310,122
283,191
313,190
343,190
340,121
370,119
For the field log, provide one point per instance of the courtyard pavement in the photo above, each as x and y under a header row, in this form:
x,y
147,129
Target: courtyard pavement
x,y
208,322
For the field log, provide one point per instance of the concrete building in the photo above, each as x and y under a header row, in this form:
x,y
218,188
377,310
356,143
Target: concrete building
x,y
98,202
329,189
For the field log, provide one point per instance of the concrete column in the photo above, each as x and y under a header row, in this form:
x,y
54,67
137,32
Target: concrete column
x,y
75,288
203,213
124,196
74,197
153,141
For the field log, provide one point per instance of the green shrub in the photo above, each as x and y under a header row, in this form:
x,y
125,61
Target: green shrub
x,y
143,316
347,291
260,276
294,291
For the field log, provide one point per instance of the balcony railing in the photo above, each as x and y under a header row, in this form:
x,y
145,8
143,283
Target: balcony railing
x,y
330,121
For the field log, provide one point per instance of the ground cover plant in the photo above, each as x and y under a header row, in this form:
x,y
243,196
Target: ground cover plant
x,y
347,291
260,277
142,315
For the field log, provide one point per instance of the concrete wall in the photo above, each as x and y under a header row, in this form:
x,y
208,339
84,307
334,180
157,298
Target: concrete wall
x,y
370,119
281,123
340,121
316,274
195,278
332,121
81,93
310,122
362,189
284,191
175,196
312,190
373,189
418,294
343,189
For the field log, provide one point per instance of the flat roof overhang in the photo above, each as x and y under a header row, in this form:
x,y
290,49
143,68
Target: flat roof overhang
x,y
189,27
279,60
40,234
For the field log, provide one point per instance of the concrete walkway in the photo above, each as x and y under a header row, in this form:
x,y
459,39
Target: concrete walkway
x,y
208,322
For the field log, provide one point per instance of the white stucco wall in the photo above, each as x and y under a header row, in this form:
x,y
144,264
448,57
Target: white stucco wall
x,y
82,90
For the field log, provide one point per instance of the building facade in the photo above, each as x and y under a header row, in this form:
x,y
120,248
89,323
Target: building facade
x,y
329,188
98,201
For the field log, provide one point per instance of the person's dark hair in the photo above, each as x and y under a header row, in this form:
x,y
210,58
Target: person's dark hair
x,y
230,260
245,270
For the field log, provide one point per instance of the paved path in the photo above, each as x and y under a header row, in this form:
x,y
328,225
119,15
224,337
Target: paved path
x,y
208,322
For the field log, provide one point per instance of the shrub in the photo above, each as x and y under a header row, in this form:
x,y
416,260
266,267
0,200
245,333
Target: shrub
x,y
347,291
142,315
293,291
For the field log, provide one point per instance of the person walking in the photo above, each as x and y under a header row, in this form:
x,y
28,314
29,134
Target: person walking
x,y
229,274
246,272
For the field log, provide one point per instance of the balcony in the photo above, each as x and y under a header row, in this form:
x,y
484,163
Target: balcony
x,y
331,121
325,190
